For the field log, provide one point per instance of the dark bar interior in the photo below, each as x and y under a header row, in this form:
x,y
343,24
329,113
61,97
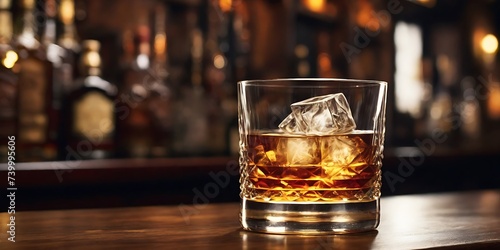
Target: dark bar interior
x,y
134,103
171,69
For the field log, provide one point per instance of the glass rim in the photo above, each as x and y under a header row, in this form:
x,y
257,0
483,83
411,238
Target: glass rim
x,y
280,82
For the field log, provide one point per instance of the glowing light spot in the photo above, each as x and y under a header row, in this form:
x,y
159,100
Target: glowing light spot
x,y
225,5
10,59
315,5
276,218
142,61
219,61
276,229
324,62
409,85
160,43
67,11
489,44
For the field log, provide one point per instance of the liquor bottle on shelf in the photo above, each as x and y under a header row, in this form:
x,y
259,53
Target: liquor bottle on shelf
x,y
65,52
192,107
469,110
8,79
145,130
160,104
69,37
226,57
57,56
35,123
69,41
135,133
90,109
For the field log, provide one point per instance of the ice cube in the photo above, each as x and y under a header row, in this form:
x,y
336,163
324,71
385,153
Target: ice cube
x,y
288,124
339,152
300,150
327,114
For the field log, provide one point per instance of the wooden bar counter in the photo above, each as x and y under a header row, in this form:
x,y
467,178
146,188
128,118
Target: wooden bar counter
x,y
451,220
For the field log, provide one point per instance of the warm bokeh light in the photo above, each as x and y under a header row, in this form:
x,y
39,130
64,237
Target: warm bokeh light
x,y
10,59
324,65
301,51
28,4
160,43
225,5
426,3
93,59
409,86
493,102
219,61
324,61
315,5
489,44
67,11
364,16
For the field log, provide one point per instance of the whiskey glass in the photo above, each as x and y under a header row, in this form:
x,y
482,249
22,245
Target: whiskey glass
x,y
311,154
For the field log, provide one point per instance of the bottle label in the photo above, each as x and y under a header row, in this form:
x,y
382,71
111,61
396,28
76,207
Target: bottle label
x,y
33,119
93,117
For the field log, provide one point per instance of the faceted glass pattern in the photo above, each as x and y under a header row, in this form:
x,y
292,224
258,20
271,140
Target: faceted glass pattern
x,y
285,167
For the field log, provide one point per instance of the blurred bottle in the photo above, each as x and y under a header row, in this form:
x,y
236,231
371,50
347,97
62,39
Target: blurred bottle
x,y
470,112
35,124
161,99
65,63
237,36
61,53
216,76
191,123
90,109
441,107
69,41
54,54
124,101
8,79
68,36
225,60
136,129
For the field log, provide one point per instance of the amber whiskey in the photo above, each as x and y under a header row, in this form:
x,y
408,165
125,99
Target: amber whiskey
x,y
294,168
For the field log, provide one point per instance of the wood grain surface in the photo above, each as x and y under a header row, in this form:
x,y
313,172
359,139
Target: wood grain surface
x,y
459,220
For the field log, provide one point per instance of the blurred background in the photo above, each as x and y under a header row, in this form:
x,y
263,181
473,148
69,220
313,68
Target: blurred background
x,y
142,79
172,67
